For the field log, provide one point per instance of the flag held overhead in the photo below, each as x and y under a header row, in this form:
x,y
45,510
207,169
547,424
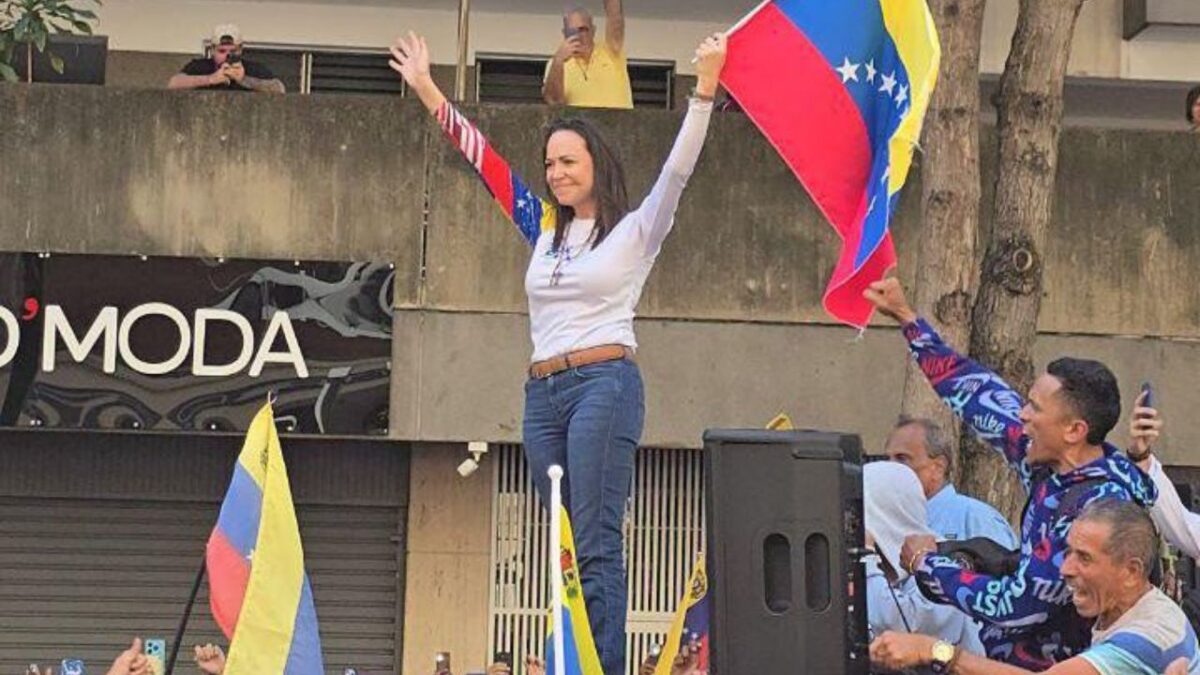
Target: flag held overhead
x,y
840,89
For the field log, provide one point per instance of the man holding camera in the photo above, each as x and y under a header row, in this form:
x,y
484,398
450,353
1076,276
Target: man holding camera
x,y
226,70
589,74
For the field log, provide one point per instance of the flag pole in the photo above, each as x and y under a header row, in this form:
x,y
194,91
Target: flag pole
x,y
556,580
187,614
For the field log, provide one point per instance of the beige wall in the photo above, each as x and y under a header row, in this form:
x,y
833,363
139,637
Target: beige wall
x,y
181,25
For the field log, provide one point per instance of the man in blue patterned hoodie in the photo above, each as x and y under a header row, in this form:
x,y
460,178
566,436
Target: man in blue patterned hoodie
x,y
1054,440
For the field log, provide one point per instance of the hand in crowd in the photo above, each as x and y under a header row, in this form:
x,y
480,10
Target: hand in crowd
x,y
888,297
210,659
534,666
1178,667
1145,426
569,49
648,666
132,661
897,651
499,669
33,669
687,662
710,59
916,547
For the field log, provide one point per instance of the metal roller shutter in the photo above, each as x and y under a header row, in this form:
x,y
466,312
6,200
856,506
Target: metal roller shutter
x,y
664,533
79,577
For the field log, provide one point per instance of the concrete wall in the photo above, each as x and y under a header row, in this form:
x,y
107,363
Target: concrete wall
x,y
739,282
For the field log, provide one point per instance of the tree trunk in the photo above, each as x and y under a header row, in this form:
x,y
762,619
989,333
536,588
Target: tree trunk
x,y
1004,322
946,253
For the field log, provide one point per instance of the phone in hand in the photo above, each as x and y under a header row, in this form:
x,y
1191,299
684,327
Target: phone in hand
x,y
1148,399
505,658
233,59
570,32
441,662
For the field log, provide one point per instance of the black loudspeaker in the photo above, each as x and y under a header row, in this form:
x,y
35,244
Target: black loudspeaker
x,y
785,532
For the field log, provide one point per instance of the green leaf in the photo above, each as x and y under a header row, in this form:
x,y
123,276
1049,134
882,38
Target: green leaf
x,y
39,38
85,14
82,27
56,63
8,73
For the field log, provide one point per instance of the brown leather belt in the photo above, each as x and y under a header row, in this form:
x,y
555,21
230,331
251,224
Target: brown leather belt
x,y
540,370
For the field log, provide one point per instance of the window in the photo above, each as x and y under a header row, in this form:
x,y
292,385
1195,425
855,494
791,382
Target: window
x,y
329,71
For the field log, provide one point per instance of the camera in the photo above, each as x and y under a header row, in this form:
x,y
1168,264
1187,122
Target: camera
x,y
471,464
233,59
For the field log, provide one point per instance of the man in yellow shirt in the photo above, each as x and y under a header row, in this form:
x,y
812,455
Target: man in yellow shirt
x,y
585,73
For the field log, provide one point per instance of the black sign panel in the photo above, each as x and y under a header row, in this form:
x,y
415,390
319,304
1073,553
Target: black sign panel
x,y
116,342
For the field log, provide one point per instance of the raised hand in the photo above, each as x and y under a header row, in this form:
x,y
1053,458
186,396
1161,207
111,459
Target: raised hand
x,y
410,58
210,659
1145,426
710,59
888,297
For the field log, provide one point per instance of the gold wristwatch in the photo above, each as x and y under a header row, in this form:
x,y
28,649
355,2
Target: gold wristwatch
x,y
943,656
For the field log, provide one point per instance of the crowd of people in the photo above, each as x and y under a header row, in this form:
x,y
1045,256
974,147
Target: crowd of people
x,y
1073,593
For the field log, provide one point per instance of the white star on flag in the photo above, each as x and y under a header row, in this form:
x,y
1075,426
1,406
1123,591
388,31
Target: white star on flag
x,y
871,71
848,70
889,83
901,96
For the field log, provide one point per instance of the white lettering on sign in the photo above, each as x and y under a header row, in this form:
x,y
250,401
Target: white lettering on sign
x,y
112,333
204,369
12,336
280,321
56,323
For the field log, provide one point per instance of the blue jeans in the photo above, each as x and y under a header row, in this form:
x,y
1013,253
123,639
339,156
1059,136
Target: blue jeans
x,y
588,420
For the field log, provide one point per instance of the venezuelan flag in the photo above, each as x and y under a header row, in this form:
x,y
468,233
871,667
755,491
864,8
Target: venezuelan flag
x,y
691,622
840,88
258,590
579,649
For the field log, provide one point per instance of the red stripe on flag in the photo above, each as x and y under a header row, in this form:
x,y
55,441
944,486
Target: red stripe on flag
x,y
795,97
844,296
228,575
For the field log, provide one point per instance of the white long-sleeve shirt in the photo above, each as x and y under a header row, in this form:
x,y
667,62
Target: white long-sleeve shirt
x,y
580,296
1180,526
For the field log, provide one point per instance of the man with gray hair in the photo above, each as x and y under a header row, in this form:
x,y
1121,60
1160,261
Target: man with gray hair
x,y
589,74
1112,546
920,444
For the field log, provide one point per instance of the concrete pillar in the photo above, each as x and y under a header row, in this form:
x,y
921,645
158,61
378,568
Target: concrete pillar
x,y
449,561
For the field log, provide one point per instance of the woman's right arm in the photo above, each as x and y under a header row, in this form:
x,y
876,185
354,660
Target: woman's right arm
x,y
531,214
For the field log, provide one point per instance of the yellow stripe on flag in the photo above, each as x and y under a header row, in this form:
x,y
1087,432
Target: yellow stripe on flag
x,y
575,604
697,588
911,26
264,630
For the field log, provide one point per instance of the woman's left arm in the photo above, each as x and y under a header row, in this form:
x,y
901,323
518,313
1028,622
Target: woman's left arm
x,y
656,215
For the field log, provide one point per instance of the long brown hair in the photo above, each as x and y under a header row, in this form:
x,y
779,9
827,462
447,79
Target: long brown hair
x,y
608,184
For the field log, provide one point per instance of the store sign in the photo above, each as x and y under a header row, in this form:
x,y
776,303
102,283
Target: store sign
x,y
188,344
